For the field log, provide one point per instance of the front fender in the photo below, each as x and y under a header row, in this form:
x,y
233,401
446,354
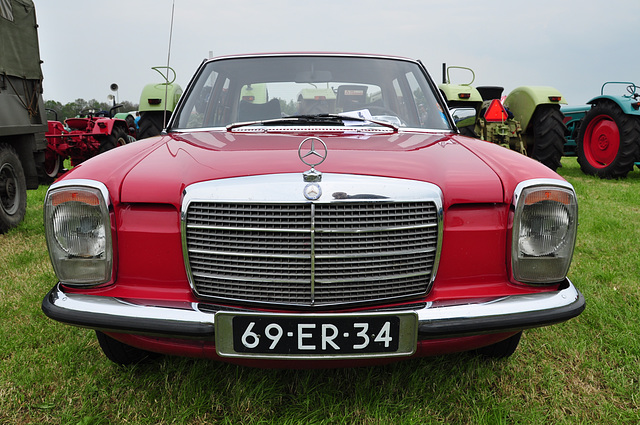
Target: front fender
x,y
523,101
105,126
625,103
461,95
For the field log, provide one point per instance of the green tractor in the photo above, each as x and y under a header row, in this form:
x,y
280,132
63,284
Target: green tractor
x,y
157,102
528,120
605,133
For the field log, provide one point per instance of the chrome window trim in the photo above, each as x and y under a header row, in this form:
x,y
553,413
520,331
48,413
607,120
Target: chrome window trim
x,y
310,128
171,124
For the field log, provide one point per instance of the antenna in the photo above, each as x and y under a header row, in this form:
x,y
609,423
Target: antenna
x,y
166,88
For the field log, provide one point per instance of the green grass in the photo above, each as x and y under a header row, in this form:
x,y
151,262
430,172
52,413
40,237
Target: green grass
x,y
585,371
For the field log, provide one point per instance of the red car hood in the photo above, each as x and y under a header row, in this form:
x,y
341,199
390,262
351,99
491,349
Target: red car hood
x,y
157,170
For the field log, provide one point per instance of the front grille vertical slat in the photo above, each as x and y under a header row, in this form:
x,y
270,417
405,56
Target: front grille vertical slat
x,y
311,254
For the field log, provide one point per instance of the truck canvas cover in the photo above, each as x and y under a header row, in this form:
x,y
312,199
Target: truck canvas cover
x,y
19,50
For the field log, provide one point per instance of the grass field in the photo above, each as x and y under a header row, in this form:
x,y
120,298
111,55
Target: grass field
x,y
585,371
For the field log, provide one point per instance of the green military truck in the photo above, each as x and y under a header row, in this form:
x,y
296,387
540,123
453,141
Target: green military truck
x,y
23,120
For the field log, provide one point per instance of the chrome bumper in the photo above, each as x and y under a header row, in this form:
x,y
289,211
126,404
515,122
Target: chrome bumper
x,y
435,320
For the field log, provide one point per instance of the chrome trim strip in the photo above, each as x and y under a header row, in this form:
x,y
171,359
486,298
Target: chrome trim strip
x,y
435,320
323,129
313,254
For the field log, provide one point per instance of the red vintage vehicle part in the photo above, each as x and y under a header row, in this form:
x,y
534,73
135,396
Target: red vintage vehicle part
x,y
368,233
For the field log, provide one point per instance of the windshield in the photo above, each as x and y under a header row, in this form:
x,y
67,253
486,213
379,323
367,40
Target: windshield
x,y
254,89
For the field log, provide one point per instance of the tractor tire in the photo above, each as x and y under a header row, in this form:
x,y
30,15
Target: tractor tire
x,y
548,136
608,142
13,189
150,124
121,353
118,137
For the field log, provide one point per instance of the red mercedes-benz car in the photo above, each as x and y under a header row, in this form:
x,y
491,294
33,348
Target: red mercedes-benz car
x,y
311,210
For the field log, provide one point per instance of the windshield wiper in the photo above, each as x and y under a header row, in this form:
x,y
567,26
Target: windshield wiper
x,y
314,119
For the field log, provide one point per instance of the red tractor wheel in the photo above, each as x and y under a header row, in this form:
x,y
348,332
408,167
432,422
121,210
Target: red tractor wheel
x,y
52,165
608,142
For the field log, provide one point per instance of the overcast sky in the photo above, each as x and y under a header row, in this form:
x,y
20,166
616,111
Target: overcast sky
x,y
573,45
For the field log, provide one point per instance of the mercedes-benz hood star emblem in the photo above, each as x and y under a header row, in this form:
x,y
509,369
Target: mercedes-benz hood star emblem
x,y
312,151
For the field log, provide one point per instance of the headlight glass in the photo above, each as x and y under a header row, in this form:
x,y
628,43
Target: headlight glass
x,y
78,231
544,231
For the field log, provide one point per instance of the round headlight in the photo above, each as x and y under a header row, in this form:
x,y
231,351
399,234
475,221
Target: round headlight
x,y
78,229
544,231
543,228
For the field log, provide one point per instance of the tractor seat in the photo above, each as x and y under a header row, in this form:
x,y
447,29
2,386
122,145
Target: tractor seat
x,y
490,92
248,111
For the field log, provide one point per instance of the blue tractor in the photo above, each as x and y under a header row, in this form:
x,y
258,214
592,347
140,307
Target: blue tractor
x,y
605,133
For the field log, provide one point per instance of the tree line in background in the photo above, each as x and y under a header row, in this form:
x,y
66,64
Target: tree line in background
x,y
83,107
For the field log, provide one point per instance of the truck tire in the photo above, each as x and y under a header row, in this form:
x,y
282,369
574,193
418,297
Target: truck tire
x,y
13,189
548,135
150,124
608,142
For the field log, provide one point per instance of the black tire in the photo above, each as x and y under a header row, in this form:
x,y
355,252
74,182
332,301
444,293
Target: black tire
x,y
502,349
118,137
13,189
608,142
150,124
548,136
121,353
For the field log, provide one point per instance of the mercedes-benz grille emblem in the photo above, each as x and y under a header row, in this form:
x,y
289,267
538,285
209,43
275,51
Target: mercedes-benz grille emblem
x,y
312,151
312,191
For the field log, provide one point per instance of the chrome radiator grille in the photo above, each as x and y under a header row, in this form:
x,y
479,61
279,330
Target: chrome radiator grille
x,y
311,253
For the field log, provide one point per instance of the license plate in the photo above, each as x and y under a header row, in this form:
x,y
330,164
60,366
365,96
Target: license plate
x,y
315,336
